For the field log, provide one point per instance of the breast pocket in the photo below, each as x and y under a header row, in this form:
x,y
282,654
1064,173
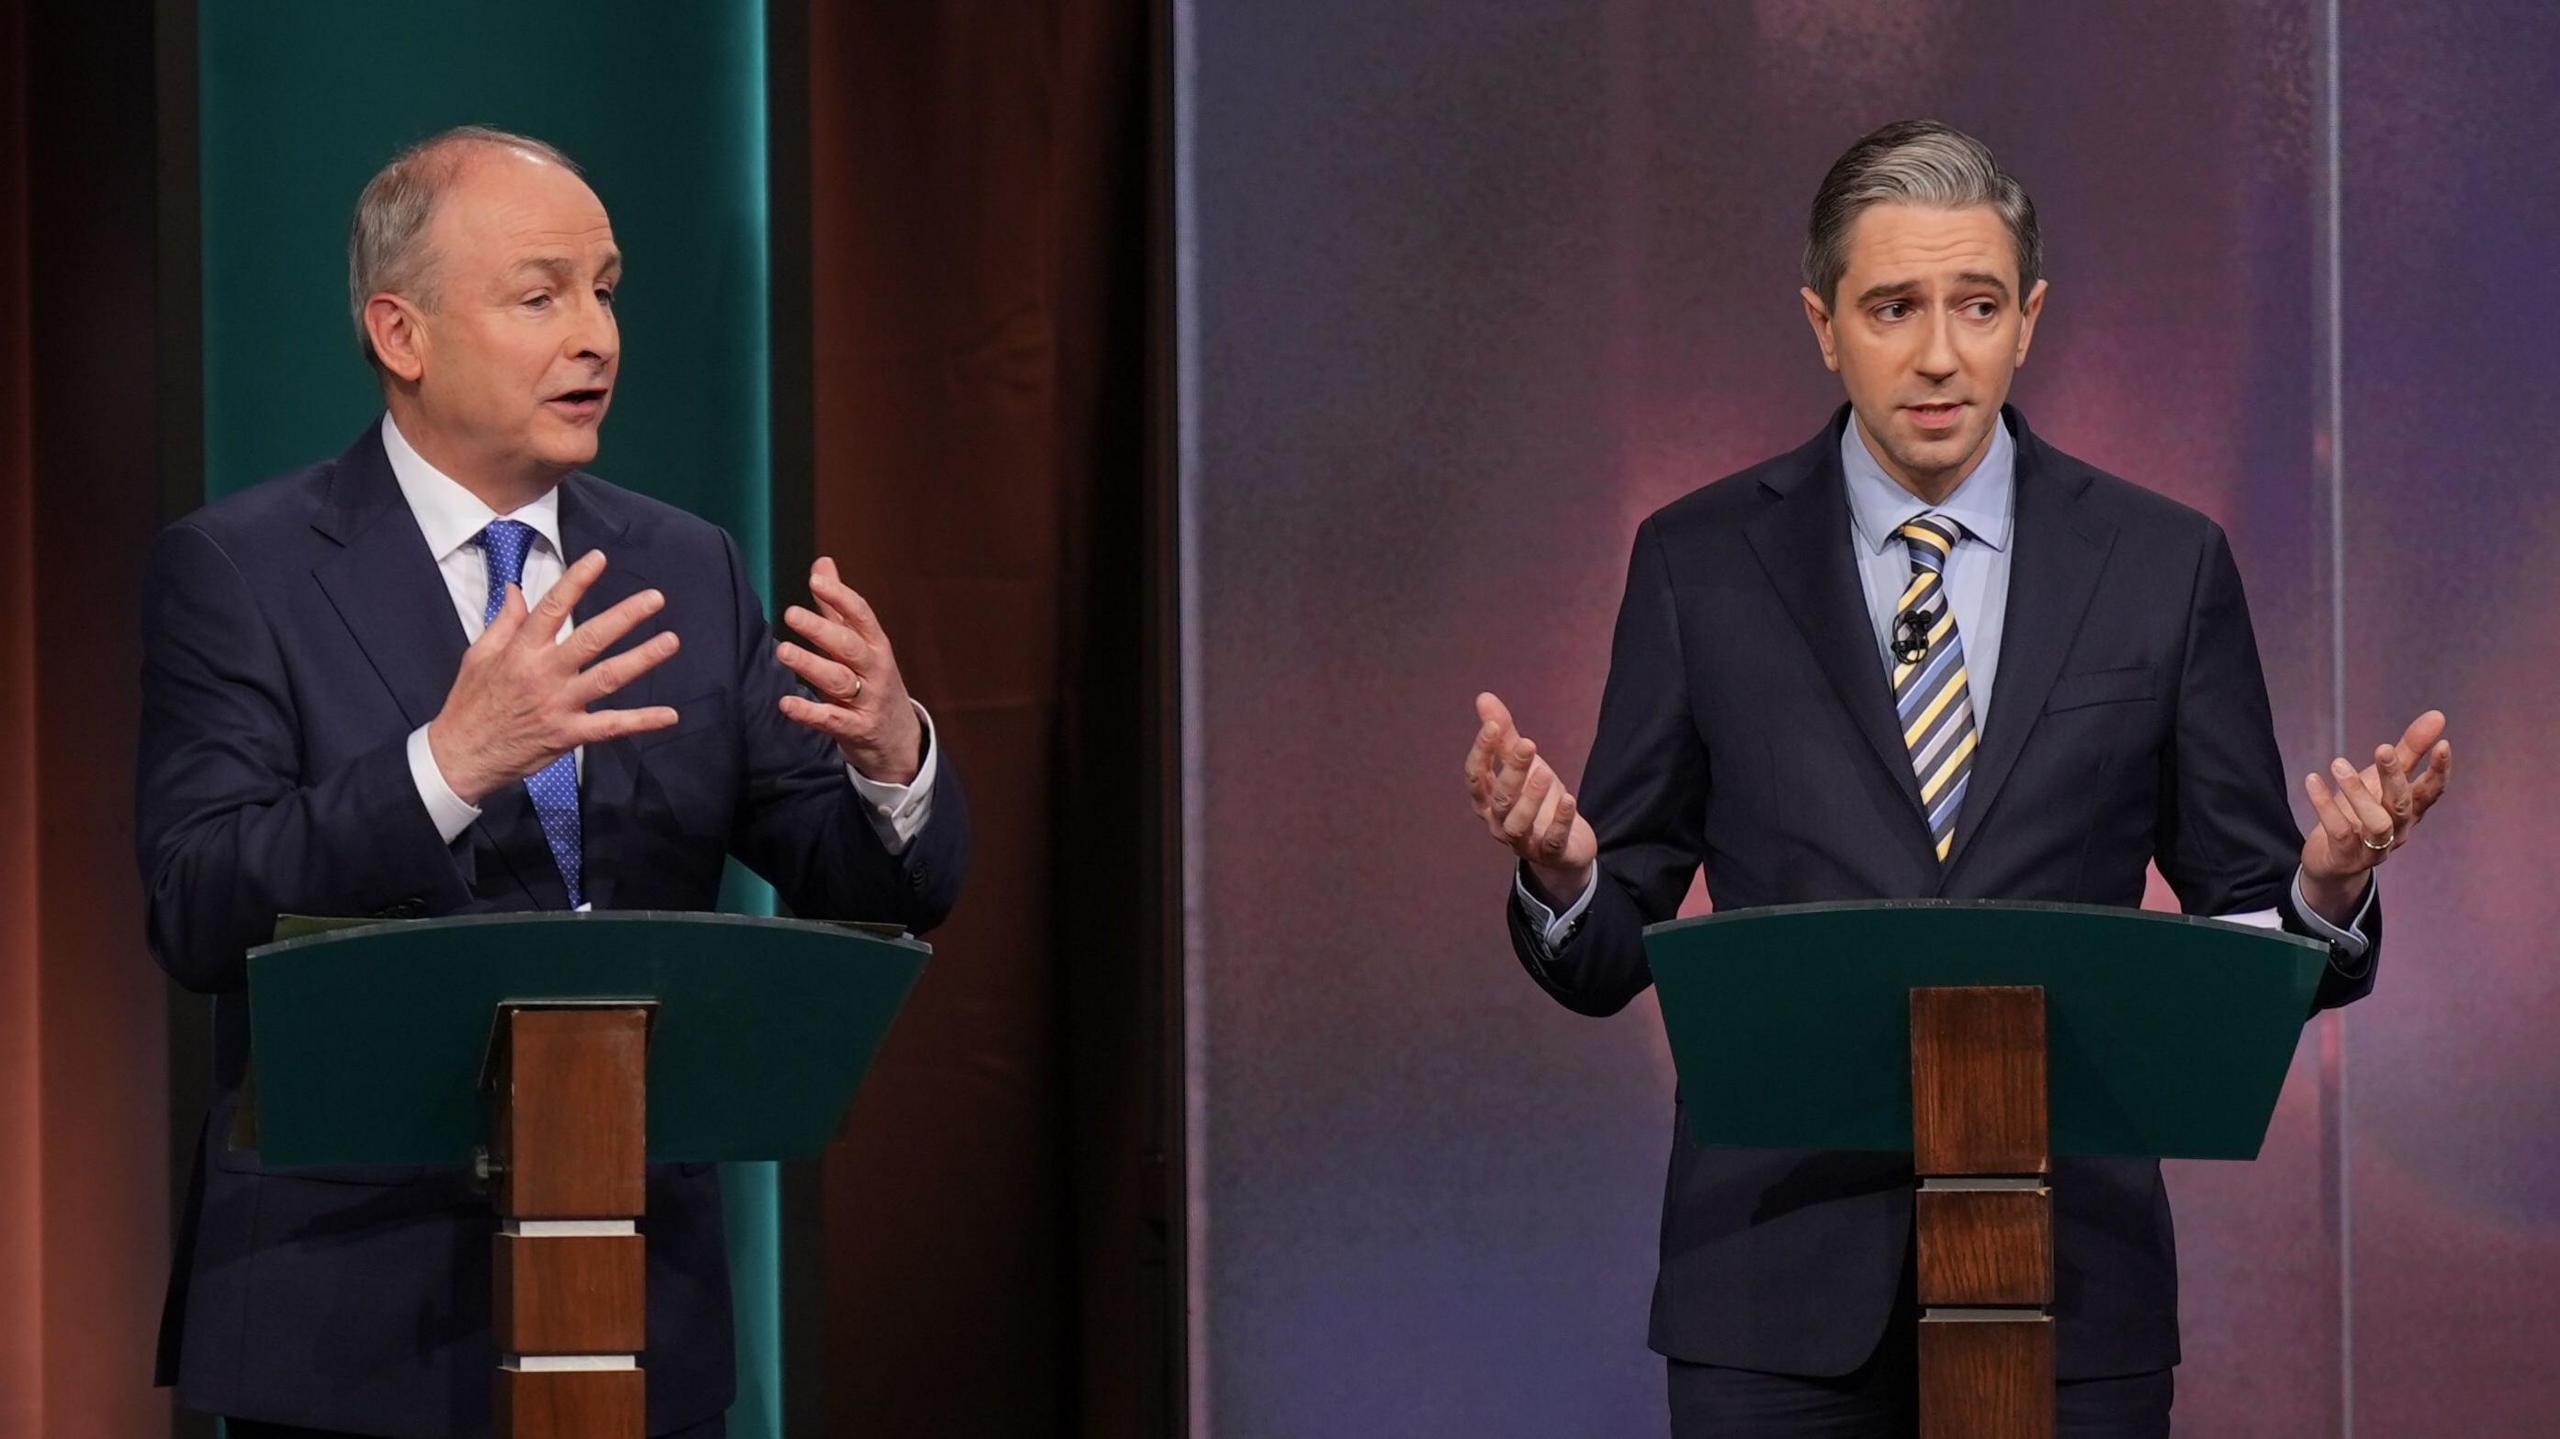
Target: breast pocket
x,y
705,711
2102,687
687,784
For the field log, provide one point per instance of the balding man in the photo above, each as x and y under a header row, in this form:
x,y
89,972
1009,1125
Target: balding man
x,y
350,709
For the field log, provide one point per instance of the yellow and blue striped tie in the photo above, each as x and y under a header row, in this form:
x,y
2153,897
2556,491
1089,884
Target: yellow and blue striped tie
x,y
1929,692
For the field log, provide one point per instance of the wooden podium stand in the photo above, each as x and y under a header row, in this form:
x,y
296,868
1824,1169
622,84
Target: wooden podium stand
x,y
1983,1219
568,1113
559,1055
1983,1039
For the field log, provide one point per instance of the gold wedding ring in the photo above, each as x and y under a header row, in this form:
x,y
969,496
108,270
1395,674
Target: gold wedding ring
x,y
2387,842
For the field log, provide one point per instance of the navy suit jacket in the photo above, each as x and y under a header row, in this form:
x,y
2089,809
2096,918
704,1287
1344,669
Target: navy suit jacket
x,y
1748,727
294,635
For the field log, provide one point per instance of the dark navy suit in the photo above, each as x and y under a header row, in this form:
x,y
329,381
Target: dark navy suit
x,y
295,634
1748,727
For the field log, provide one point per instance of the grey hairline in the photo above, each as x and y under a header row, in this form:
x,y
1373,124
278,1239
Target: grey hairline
x,y
1923,163
387,246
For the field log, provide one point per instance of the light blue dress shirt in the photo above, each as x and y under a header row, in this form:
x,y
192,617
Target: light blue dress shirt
x,y
1976,577
1976,581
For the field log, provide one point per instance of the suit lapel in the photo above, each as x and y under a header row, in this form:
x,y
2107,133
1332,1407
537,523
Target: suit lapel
x,y
387,589
385,585
590,519
2058,551
1802,541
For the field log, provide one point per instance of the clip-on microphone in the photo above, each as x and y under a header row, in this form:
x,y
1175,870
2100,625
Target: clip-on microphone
x,y
1911,635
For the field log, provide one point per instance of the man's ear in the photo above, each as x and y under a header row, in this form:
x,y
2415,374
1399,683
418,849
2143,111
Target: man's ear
x,y
1818,315
2027,314
398,334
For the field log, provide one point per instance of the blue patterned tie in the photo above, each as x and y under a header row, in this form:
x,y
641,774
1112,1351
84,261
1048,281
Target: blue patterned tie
x,y
555,786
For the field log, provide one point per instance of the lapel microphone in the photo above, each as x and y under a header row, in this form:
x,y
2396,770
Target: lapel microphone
x,y
1911,635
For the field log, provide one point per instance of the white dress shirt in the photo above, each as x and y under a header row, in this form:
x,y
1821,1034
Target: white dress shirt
x,y
451,517
1976,583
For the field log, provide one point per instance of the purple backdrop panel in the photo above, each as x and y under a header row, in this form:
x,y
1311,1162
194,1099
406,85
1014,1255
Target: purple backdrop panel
x,y
2452,525
1431,1195
1472,289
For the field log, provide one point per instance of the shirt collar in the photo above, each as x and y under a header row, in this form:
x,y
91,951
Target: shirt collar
x,y
1983,504
449,515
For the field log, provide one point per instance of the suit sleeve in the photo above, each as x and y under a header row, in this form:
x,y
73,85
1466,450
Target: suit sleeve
x,y
800,822
2226,838
1645,793
229,831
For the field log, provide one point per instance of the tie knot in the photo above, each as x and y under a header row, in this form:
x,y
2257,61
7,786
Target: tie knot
x,y
506,542
1930,538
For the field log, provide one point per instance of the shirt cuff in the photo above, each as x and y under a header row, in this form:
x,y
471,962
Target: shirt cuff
x,y
1552,927
451,814
899,812
2349,942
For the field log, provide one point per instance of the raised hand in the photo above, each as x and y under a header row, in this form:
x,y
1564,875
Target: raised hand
x,y
2365,816
1526,808
862,699
520,700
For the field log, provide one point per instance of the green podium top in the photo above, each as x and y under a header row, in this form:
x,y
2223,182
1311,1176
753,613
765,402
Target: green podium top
x,y
369,1042
2168,1036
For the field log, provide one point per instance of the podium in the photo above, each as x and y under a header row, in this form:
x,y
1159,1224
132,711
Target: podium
x,y
1982,1039
558,1054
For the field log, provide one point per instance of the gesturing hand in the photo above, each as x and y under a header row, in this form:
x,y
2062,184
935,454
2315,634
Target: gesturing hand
x,y
2370,814
520,700
1526,808
862,699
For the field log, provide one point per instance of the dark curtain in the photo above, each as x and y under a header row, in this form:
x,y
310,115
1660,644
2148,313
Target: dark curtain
x,y
21,1128
83,1173
982,292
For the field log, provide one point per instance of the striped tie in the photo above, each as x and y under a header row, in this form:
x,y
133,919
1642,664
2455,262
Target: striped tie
x,y
1929,692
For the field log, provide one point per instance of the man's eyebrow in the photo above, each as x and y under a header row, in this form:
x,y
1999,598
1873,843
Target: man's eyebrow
x,y
1908,289
560,269
554,267
1988,281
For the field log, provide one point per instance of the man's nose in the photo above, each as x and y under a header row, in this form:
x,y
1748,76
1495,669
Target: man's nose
x,y
597,339
1937,358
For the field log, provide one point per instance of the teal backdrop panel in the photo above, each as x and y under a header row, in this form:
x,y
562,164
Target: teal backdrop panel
x,y
664,108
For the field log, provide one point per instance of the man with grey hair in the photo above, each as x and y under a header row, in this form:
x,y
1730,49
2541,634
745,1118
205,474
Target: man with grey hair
x,y
405,683
1925,655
